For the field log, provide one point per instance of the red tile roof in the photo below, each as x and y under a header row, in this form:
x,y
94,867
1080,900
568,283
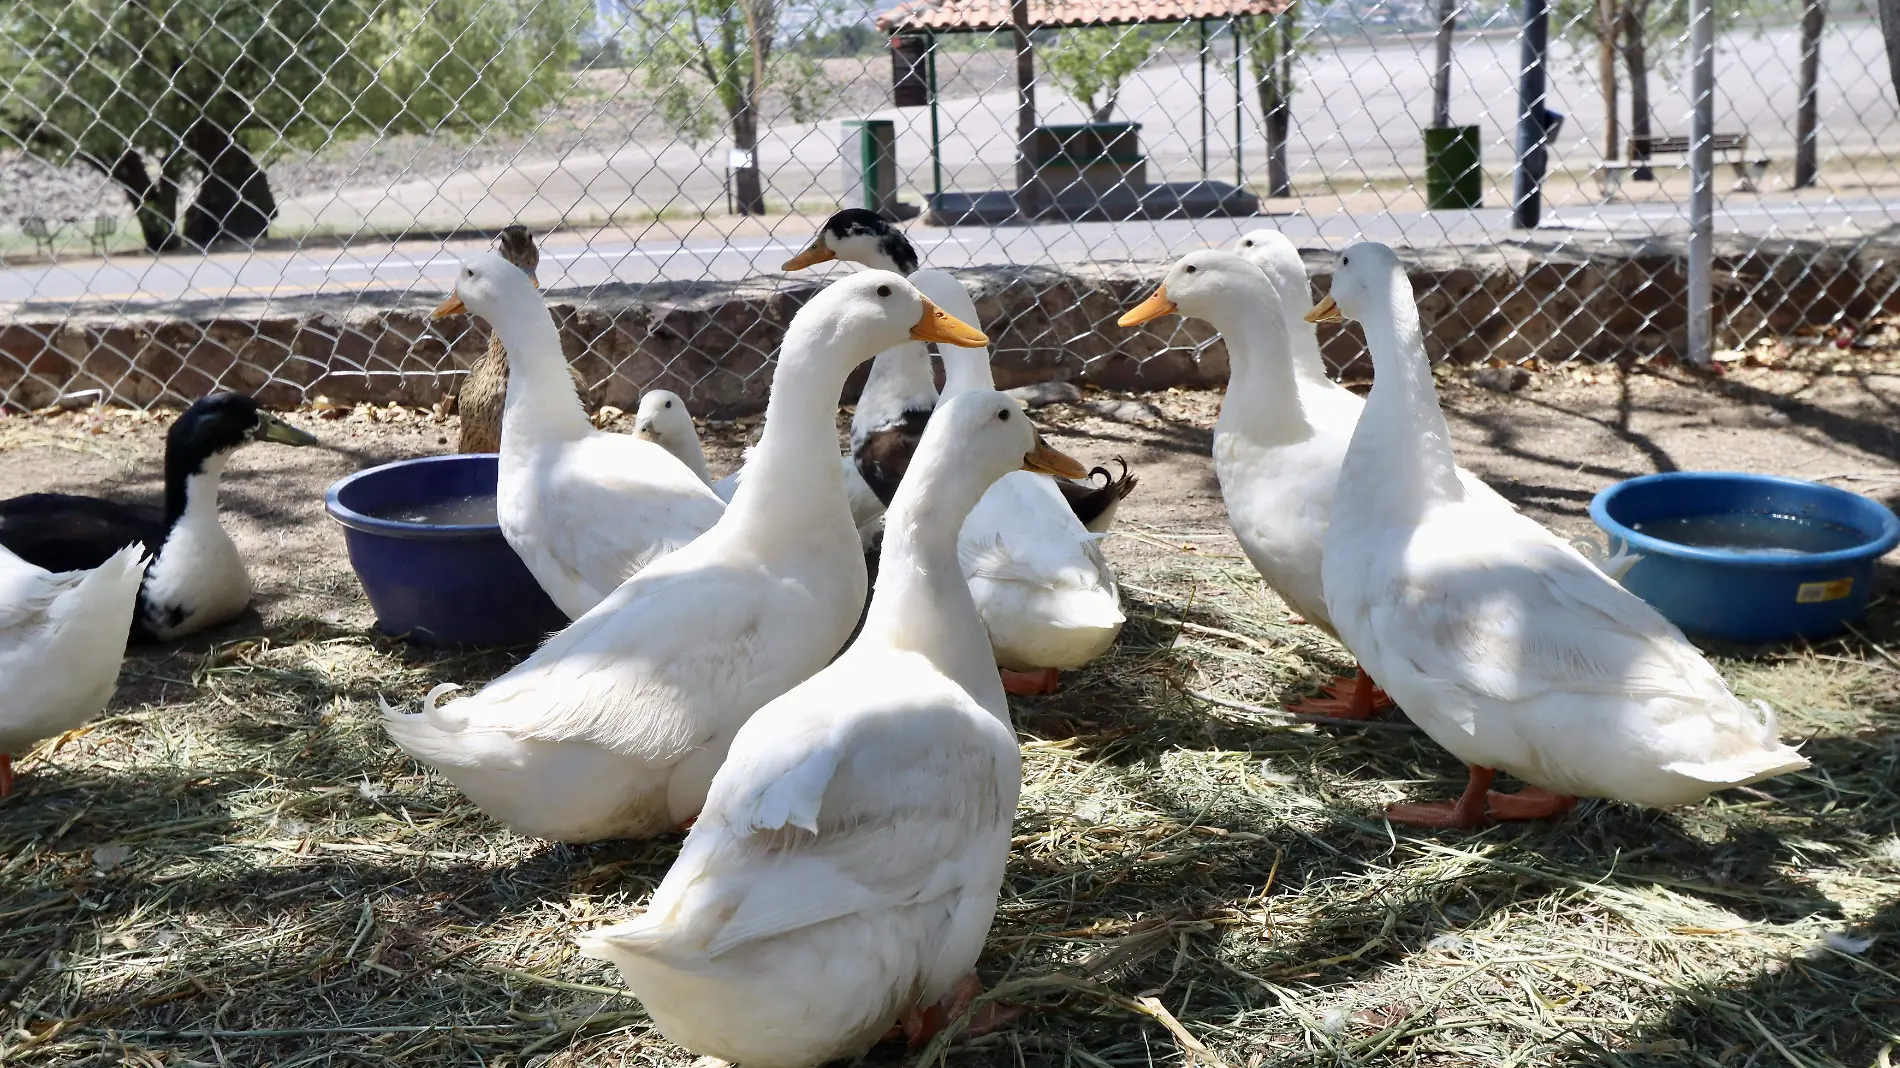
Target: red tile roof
x,y
956,16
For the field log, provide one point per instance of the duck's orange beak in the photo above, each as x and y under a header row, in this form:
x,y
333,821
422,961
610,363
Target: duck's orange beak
x,y
811,257
946,329
1326,311
1156,306
1046,460
451,306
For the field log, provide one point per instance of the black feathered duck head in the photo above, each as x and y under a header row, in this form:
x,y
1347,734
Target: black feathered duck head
x,y
863,237
222,422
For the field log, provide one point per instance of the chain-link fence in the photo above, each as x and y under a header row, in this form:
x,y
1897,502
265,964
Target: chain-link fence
x,y
266,194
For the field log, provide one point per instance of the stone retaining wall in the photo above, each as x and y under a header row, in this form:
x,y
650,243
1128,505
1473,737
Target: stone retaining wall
x,y
711,341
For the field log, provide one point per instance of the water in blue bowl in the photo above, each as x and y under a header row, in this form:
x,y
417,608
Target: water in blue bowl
x,y
475,509
1754,532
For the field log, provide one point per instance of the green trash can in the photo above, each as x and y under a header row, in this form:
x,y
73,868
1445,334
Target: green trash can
x,y
1454,172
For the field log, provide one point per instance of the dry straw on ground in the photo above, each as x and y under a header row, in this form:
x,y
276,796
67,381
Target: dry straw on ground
x,y
237,868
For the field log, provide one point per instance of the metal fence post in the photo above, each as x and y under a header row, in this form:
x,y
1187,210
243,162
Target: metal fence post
x,y
1527,196
1702,180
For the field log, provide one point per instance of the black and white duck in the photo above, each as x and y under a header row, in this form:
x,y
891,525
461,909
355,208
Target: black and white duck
x,y
901,392
196,577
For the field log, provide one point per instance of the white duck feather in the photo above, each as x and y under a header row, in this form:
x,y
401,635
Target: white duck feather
x,y
847,864
62,637
1499,639
615,726
583,508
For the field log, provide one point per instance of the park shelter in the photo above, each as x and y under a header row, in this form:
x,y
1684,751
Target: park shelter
x,y
1087,170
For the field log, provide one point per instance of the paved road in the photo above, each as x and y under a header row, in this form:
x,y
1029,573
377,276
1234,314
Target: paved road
x,y
580,260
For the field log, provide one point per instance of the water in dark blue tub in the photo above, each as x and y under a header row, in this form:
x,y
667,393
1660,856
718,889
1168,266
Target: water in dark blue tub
x,y
475,509
1754,532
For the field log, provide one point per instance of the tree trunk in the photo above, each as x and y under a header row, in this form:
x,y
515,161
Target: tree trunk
x,y
155,203
1807,164
1608,24
234,201
1273,78
1890,33
748,190
1441,73
1636,59
1105,113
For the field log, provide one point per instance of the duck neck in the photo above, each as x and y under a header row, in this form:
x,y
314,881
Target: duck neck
x,y
1309,367
900,381
541,400
965,371
1400,459
191,488
693,455
794,472
1263,396
922,602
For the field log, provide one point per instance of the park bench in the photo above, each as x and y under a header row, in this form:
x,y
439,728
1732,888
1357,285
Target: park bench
x,y
1670,151
40,230
98,230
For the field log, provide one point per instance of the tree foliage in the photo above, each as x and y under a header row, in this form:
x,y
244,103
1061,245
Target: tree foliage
x,y
709,63
157,92
1091,63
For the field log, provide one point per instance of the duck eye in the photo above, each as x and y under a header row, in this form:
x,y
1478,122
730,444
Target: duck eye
x,y
1191,268
1247,243
1345,261
1003,416
669,404
883,291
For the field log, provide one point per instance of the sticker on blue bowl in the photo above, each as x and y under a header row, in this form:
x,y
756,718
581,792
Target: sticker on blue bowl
x,y
1817,592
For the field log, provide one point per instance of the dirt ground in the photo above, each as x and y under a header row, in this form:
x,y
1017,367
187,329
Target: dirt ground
x,y
241,771
1548,447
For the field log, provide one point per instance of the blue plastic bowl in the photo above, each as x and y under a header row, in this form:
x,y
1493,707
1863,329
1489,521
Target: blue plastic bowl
x,y
438,585
1741,596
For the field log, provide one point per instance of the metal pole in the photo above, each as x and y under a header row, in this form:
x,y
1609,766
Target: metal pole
x,y
1240,107
1807,155
936,141
1203,25
1701,180
1527,195
1028,198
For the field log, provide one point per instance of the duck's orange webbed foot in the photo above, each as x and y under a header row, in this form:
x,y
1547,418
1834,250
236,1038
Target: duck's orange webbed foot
x,y
1026,683
1468,813
1346,698
1530,803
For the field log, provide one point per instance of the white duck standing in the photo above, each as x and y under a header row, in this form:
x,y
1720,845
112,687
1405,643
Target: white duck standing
x,y
613,729
1046,593
1498,638
62,637
583,508
1283,428
846,867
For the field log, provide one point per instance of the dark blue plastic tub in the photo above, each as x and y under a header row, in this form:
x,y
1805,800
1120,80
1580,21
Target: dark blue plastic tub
x,y
438,584
1744,596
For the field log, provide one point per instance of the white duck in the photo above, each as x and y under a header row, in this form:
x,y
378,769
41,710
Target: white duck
x,y
1283,428
62,637
582,508
1046,593
1498,638
614,727
846,867
662,419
